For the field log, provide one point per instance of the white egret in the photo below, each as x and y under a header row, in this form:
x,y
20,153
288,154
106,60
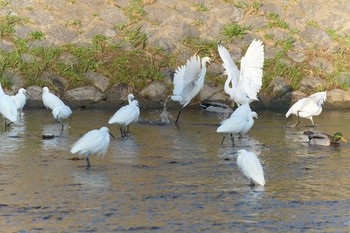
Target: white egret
x,y
240,122
126,115
243,85
93,142
50,100
62,112
20,99
188,81
308,107
249,163
7,107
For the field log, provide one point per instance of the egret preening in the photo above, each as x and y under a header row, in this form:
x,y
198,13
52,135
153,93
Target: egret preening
x,y
7,107
126,115
50,100
93,142
20,99
249,164
308,107
240,122
243,85
188,81
62,112
59,109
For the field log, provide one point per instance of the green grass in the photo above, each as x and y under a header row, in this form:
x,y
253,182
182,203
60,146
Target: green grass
x,y
276,21
200,46
134,10
201,7
8,23
276,68
234,30
36,35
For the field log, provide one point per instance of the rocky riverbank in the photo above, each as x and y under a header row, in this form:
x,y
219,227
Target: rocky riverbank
x,y
306,47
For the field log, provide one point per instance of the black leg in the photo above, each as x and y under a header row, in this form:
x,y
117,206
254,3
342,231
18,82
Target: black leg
x,y
222,141
127,130
232,139
178,115
62,128
121,131
88,162
252,184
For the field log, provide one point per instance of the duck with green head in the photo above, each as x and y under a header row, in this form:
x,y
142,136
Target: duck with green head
x,y
326,139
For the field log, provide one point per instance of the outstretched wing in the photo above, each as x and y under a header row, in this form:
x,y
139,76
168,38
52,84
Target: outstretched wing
x,y
251,69
231,69
185,79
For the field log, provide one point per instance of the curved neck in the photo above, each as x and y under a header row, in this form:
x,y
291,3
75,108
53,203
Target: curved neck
x,y
227,87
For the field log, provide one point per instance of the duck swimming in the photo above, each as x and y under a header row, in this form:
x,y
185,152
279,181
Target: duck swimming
x,y
322,139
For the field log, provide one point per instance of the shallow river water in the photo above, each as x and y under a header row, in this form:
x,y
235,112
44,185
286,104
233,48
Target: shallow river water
x,y
169,179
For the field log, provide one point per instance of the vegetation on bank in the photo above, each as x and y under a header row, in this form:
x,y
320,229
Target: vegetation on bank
x,y
142,65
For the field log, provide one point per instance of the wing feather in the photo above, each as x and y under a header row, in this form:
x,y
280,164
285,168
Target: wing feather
x,y
185,78
251,69
231,69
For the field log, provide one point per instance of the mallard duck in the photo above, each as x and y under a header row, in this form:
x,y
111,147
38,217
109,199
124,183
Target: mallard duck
x,y
322,139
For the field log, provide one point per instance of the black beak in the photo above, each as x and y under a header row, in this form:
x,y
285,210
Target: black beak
x,y
112,135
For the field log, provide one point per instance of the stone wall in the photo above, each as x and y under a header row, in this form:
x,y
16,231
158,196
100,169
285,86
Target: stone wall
x,y
167,22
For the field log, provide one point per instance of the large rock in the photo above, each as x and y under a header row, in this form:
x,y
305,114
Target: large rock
x,y
212,92
83,96
153,95
118,94
56,81
16,79
338,98
310,84
100,81
343,79
35,97
279,87
313,34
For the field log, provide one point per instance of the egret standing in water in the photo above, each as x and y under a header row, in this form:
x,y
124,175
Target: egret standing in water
x,y
93,142
7,107
240,122
243,85
188,81
126,115
308,107
20,99
59,109
50,100
62,112
249,164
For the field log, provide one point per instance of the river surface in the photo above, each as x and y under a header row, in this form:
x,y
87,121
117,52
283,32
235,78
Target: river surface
x,y
173,179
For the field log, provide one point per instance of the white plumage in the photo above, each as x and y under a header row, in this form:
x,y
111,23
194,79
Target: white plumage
x,y
50,100
126,115
249,164
93,142
20,99
188,81
61,112
243,85
7,107
240,122
59,109
308,107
